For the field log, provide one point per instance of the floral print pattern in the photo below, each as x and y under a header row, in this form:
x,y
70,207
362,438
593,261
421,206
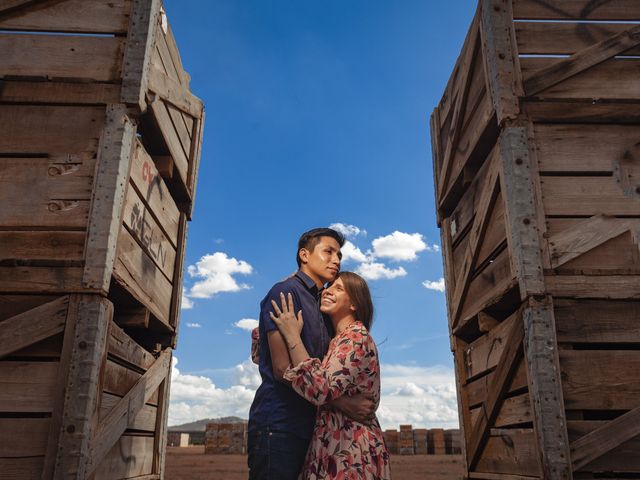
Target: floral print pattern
x,y
341,448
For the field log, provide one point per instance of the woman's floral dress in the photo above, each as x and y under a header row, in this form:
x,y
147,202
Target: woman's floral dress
x,y
342,448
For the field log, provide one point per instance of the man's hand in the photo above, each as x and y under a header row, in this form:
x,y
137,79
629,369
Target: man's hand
x,y
361,407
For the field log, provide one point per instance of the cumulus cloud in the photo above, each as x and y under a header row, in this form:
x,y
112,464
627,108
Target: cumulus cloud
x,y
421,396
247,324
347,230
194,397
437,285
215,273
351,253
186,303
377,271
399,246
194,325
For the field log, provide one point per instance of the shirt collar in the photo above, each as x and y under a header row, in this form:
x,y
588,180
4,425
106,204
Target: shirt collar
x,y
309,283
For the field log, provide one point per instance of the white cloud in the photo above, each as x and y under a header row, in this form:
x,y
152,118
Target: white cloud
x,y
247,324
421,396
434,285
186,303
347,230
351,253
215,273
194,325
399,246
376,271
194,397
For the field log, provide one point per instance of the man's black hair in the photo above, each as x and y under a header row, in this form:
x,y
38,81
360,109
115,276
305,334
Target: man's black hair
x,y
309,240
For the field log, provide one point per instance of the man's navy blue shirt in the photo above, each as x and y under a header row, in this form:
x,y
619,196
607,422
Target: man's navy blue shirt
x,y
276,406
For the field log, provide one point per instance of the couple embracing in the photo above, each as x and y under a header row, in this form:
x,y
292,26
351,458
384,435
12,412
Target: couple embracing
x,y
313,416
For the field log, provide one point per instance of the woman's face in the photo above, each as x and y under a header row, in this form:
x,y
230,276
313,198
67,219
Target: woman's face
x,y
335,301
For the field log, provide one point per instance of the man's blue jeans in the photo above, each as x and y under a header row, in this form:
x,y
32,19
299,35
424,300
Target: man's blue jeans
x,y
275,455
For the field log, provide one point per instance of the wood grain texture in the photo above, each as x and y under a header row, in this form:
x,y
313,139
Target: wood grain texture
x,y
19,91
42,246
42,280
623,458
27,386
23,437
477,390
129,458
171,139
576,10
123,347
510,451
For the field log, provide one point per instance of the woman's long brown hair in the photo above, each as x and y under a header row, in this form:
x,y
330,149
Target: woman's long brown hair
x,y
358,291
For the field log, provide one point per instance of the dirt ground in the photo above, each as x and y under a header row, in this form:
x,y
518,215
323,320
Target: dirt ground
x,y
190,463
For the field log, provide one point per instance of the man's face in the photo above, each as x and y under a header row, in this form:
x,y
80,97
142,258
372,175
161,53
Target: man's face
x,y
323,262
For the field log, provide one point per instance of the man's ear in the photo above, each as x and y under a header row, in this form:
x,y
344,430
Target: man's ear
x,y
303,254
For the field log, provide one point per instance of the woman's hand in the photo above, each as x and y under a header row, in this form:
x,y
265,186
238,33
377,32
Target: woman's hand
x,y
286,320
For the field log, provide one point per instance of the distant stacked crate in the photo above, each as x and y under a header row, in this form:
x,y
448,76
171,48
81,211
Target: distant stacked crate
x,y
420,441
436,442
99,150
452,441
226,438
405,444
391,440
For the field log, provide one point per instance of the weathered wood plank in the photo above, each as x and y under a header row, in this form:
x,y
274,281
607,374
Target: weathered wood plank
x,y
11,305
28,245
465,416
174,53
144,421
113,425
586,196
93,58
20,468
585,110
162,421
114,160
477,390
82,392
510,451
72,16
597,321
176,296
154,191
170,136
173,92
32,326
545,390
137,273
129,458
137,55
125,348
612,382
56,130
144,227
513,411
137,317
23,437
27,386
41,279
624,458
118,380
17,91
576,10
599,286
614,79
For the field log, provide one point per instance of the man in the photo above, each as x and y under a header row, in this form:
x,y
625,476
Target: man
x,y
280,421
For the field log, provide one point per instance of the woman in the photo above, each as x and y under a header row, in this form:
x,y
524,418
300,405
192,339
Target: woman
x,y
340,448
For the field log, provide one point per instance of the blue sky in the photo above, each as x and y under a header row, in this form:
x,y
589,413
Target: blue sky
x,y
317,113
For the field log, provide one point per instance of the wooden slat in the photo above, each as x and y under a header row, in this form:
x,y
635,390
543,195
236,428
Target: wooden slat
x,y
583,148
118,380
478,389
125,348
46,245
32,326
171,138
566,110
82,391
41,279
184,135
194,163
586,236
72,16
613,79
114,160
586,196
129,458
542,38
465,416
144,420
510,451
93,58
623,459
173,92
576,10
600,286
154,191
16,91
57,130
604,439
23,437
174,53
137,273
20,468
143,226
59,193
503,374
11,305
484,353
582,60
612,382
499,51
176,297
137,55
597,321
137,317
27,386
123,414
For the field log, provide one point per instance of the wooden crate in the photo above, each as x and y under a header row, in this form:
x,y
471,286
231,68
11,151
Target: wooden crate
x,y
94,201
226,438
436,441
452,441
420,441
535,146
391,440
